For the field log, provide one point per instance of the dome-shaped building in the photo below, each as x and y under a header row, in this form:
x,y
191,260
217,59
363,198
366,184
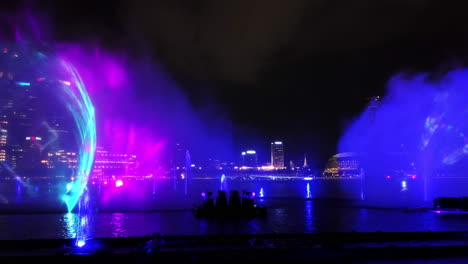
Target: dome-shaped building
x,y
343,165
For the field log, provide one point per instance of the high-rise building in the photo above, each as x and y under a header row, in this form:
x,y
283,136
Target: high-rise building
x,y
277,155
3,139
33,119
374,103
249,158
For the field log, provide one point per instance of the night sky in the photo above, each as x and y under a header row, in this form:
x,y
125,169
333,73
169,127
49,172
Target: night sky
x,y
296,70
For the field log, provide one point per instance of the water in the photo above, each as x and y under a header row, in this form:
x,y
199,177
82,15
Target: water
x,y
289,211
285,216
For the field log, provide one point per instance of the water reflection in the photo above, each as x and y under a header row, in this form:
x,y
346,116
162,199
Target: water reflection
x,y
252,226
203,227
117,223
308,217
308,194
70,221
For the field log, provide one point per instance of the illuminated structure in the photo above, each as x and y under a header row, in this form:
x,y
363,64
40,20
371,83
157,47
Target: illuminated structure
x,y
249,158
61,160
113,164
3,139
33,123
43,100
277,155
343,165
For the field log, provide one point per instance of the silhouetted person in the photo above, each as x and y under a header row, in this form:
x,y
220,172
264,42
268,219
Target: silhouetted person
x,y
221,200
234,199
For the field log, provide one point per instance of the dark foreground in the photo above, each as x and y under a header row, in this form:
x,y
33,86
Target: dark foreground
x,y
376,247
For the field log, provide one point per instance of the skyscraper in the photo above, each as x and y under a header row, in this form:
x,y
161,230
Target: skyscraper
x,y
277,154
33,118
374,103
249,158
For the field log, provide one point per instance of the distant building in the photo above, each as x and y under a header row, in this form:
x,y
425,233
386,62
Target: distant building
x,y
343,165
30,159
277,155
3,139
61,159
33,121
107,163
249,158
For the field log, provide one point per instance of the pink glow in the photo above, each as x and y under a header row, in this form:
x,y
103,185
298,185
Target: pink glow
x,y
388,177
139,110
119,183
123,125
105,182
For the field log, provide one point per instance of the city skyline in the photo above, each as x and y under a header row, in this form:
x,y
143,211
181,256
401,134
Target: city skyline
x,y
301,93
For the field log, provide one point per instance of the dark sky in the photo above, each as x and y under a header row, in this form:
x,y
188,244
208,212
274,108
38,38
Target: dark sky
x,y
296,70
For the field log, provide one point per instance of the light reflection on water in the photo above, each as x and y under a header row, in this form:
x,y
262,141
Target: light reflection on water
x,y
308,217
118,224
289,211
70,222
284,216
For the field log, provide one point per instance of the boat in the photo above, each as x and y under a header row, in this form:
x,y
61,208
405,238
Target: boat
x,y
235,207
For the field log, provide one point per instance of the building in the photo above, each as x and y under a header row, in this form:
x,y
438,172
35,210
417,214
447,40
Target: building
x,y
107,164
35,124
3,139
343,165
277,155
61,160
249,158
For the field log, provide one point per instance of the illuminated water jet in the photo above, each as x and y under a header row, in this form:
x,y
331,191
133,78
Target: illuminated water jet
x,y
223,183
411,142
261,193
308,194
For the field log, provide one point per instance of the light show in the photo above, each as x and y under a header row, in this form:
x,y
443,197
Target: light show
x,y
411,142
214,131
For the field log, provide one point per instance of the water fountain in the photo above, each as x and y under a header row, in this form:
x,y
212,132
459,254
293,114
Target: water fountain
x,y
261,193
223,183
411,142
188,166
36,128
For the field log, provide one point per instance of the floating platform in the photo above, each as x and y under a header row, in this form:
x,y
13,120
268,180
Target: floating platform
x,y
203,212
235,207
